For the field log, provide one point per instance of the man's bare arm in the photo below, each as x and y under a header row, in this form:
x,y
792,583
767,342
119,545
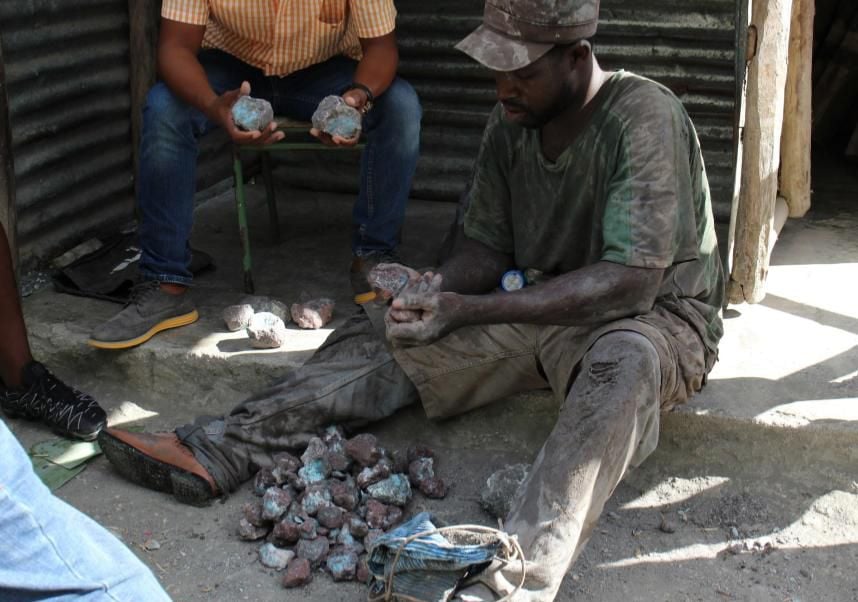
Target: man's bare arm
x,y
377,68
473,268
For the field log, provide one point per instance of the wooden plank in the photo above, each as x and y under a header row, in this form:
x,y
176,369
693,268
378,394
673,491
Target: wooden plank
x,y
795,139
770,20
143,18
7,168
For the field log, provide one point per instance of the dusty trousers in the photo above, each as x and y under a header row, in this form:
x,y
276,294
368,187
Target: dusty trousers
x,y
610,383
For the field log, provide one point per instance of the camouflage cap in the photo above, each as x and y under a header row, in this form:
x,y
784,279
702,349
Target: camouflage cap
x,y
515,33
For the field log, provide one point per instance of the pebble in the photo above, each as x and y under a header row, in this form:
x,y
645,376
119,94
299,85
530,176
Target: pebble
x,y
298,573
666,526
248,532
237,317
314,314
152,545
252,114
274,557
266,331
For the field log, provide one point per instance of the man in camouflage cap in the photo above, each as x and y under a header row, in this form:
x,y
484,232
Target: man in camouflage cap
x,y
592,180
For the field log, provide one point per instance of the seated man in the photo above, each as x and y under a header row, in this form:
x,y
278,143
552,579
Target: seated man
x,y
596,180
292,54
27,388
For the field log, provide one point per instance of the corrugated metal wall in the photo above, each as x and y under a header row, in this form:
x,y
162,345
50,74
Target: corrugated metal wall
x,y
67,84
689,45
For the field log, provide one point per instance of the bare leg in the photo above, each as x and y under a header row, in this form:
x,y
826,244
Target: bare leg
x,y
15,350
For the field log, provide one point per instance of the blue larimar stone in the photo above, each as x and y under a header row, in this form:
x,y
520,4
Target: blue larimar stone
x,y
251,114
333,116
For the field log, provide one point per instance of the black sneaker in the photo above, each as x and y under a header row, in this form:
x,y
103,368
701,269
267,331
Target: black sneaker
x,y
361,267
46,398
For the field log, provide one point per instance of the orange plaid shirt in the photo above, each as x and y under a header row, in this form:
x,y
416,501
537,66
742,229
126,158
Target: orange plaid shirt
x,y
283,36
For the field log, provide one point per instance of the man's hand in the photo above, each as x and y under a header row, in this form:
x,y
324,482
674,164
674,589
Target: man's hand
x,y
439,316
354,98
220,111
389,280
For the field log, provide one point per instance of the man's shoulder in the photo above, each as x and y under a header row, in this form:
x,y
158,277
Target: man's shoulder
x,y
634,97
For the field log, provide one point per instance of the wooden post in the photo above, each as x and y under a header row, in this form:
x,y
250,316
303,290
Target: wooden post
x,y
795,140
770,20
7,169
143,17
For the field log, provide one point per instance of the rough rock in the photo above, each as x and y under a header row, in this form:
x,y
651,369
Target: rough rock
x,y
252,114
358,527
286,462
308,529
275,503
376,514
315,471
299,573
400,461
334,438
248,532
362,574
347,542
420,470
434,488
315,449
274,557
339,462
333,116
267,304
344,494
395,490
315,497
266,331
342,566
415,452
393,518
363,449
501,488
373,474
331,517
314,550
263,481
237,317
253,513
313,314
388,280
286,531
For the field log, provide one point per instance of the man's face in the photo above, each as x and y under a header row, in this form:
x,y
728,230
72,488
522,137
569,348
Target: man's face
x,y
534,95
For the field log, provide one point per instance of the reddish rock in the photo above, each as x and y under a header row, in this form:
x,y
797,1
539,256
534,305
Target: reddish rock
x,y
420,470
393,518
275,503
419,451
400,461
250,532
316,449
373,474
253,513
313,314
284,464
363,449
388,280
286,531
308,529
314,550
434,488
358,527
339,462
344,494
331,517
263,481
316,497
376,514
298,573
334,438
342,566
362,574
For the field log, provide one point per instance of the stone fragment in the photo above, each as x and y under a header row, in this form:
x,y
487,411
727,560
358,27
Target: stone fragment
x,y
253,513
313,550
315,471
388,280
315,497
400,461
342,566
248,532
344,494
263,481
421,469
393,518
334,438
434,488
339,462
418,451
335,117
274,557
363,449
314,314
501,488
373,474
267,304
362,574
266,331
347,542
285,462
376,514
298,573
316,449
331,517
296,482
395,490
309,529
358,527
252,114
275,503
286,532
237,317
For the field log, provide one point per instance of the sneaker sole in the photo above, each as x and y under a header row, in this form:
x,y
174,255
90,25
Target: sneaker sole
x,y
144,470
175,322
92,436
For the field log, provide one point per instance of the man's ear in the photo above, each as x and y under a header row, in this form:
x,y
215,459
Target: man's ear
x,y
580,51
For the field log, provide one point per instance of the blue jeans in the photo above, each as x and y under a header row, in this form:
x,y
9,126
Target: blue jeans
x,y
169,150
50,551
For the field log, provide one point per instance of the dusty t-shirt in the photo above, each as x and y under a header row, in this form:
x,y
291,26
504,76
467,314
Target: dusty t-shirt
x,y
630,189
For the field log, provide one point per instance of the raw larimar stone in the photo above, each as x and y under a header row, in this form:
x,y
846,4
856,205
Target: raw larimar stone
x,y
266,331
274,557
237,317
251,114
394,490
333,116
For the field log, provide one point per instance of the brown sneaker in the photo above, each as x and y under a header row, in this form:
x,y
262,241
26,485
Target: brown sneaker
x,y
160,462
361,267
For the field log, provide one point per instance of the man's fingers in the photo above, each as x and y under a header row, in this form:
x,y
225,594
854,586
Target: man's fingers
x,y
244,90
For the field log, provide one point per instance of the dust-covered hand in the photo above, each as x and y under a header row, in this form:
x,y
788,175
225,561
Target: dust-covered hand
x,y
439,316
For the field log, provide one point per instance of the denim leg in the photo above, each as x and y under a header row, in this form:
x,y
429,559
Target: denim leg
x,y
392,130
52,551
168,161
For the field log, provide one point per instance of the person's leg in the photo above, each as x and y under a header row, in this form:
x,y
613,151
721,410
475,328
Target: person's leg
x,y
392,130
52,551
168,159
610,413
15,350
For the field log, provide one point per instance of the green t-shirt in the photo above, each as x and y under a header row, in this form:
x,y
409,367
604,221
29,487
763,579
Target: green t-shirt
x,y
630,189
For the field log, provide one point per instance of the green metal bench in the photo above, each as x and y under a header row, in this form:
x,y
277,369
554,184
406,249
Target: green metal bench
x,y
292,129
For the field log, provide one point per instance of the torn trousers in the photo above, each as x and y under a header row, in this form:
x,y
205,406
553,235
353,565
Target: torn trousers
x,y
610,382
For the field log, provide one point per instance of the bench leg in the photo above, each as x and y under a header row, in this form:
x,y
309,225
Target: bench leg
x,y
243,234
268,176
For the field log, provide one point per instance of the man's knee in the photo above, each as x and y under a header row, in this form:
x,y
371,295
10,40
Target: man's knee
x,y
400,110
620,352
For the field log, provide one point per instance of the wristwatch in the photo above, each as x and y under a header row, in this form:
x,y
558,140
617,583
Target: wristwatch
x,y
369,96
